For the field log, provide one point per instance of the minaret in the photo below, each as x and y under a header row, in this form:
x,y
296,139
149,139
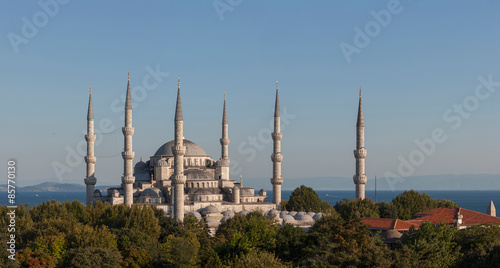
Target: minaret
x,y
90,159
179,149
360,154
491,209
224,141
128,178
277,157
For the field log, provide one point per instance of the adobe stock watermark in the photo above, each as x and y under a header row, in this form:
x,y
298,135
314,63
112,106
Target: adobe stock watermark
x,y
223,6
363,37
454,117
31,26
105,126
257,143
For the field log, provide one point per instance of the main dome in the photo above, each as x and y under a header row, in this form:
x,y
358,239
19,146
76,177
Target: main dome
x,y
192,149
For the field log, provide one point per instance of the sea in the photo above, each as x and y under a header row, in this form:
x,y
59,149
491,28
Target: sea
x,y
473,200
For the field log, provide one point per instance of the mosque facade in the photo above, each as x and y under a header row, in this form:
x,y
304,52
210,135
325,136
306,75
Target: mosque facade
x,y
180,177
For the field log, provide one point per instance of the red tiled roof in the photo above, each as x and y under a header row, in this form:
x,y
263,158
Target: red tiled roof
x,y
389,224
446,215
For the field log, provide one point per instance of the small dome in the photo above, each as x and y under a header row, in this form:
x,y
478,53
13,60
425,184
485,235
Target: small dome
x,y
318,216
210,219
97,191
292,213
192,149
303,217
228,213
197,175
244,212
300,213
161,163
225,218
209,210
283,213
391,234
312,214
203,192
152,192
288,218
140,165
273,212
195,214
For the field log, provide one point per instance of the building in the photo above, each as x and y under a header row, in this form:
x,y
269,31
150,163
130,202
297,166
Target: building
x,y
180,177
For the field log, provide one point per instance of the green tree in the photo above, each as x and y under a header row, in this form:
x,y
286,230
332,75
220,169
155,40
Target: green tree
x,y
357,208
135,257
181,251
257,258
411,202
304,198
335,241
289,243
433,244
387,210
478,244
91,257
83,236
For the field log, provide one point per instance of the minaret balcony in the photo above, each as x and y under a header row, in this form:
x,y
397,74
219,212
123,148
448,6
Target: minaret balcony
x,y
179,179
276,181
90,137
277,157
90,180
360,154
128,179
179,150
224,141
277,136
128,131
359,179
90,159
128,155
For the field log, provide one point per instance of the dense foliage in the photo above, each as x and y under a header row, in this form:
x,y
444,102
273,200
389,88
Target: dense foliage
x,y
304,198
57,234
411,202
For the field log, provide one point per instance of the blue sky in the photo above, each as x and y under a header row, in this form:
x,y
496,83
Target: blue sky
x,y
414,68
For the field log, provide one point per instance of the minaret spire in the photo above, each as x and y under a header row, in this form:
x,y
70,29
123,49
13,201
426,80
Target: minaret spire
x,y
128,178
360,153
223,163
179,150
277,157
90,159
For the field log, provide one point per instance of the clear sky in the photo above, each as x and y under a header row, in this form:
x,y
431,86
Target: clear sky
x,y
428,69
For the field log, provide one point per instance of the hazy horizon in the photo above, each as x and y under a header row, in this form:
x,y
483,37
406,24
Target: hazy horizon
x,y
430,86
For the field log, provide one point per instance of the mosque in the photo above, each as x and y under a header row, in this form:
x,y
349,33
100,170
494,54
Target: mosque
x,y
181,178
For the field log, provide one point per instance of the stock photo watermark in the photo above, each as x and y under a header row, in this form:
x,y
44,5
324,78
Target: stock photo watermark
x,y
11,215
257,143
32,25
454,118
223,6
105,126
364,36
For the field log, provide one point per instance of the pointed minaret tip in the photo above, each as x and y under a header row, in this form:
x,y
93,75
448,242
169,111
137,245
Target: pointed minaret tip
x,y
90,112
128,100
360,111
224,112
277,103
360,92
178,107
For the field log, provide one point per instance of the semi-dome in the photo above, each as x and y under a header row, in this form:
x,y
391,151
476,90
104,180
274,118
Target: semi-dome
x,y
140,165
152,192
192,149
161,163
197,175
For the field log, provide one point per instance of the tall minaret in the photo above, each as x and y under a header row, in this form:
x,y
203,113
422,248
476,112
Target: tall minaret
x,y
179,149
128,178
360,154
90,159
277,157
224,141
